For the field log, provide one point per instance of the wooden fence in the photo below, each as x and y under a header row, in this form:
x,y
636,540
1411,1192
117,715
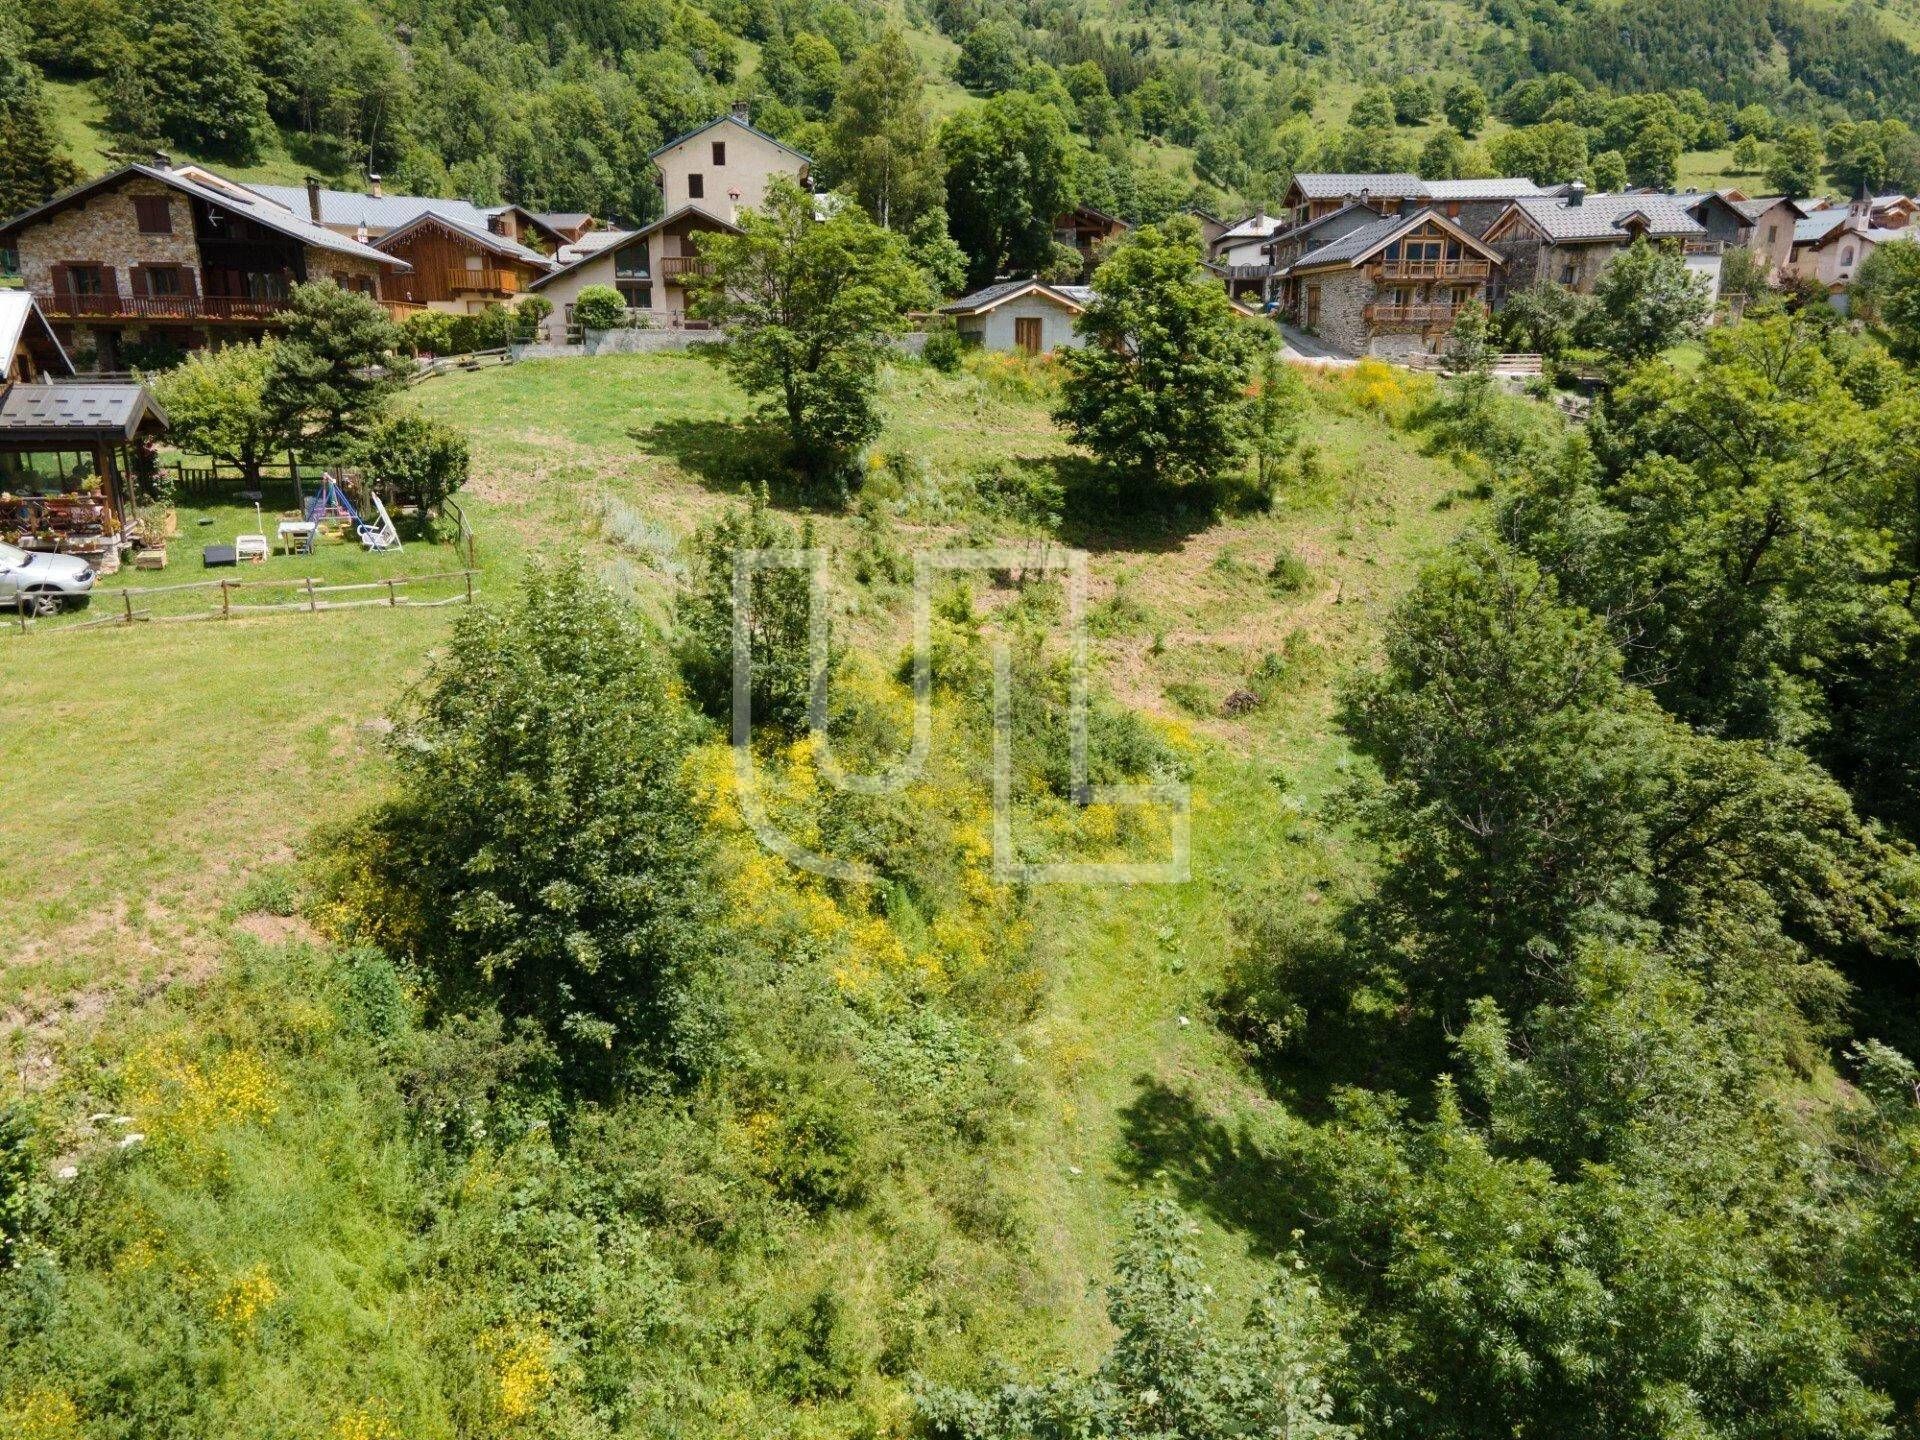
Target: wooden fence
x,y
427,368
229,599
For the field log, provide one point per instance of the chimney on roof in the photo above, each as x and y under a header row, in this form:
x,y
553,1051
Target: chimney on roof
x,y
742,110
313,199
373,185
162,160
1577,193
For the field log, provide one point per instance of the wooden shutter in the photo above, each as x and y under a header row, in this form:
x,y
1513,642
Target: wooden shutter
x,y
62,284
141,285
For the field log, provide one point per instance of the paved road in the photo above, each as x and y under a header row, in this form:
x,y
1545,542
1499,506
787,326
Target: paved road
x,y
1298,345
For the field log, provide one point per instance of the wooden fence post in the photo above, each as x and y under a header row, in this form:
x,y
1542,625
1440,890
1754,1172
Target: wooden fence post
x,y
313,605
127,597
226,604
391,598
469,577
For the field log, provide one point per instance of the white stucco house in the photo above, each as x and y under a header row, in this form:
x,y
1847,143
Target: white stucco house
x,y
1028,315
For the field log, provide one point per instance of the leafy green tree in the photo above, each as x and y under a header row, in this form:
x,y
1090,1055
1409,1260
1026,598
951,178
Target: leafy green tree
x,y
1543,319
1645,300
1754,120
1010,170
217,403
777,620
542,852
882,142
1372,109
1444,157
1748,152
336,365
182,78
1887,292
1275,416
1466,108
1413,100
1609,172
990,58
1653,158
418,455
1549,153
1793,164
33,166
1468,348
809,306
1158,391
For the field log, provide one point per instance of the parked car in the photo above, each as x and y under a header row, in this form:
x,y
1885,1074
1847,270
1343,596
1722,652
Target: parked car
x,y
42,583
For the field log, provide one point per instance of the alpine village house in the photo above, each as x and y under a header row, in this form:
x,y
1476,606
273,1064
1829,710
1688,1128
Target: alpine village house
x,y
707,178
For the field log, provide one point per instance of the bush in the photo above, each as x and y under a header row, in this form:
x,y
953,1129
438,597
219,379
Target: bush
x,y
600,307
528,316
1289,574
943,350
541,854
424,458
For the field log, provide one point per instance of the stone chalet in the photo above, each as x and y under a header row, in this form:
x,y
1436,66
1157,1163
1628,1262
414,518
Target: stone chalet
x,y
1388,284
179,254
1570,238
371,214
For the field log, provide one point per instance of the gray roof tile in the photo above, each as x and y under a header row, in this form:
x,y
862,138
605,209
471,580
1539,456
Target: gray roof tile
x,y
1331,185
1601,217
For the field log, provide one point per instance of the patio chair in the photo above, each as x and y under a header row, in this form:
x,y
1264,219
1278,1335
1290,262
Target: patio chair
x,y
250,547
381,537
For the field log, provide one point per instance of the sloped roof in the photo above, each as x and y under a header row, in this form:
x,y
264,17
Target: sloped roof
x,y
1254,227
988,297
1355,245
351,209
1817,226
1504,187
234,198
1759,205
20,318
590,244
1333,185
71,411
1603,217
730,120
478,234
621,237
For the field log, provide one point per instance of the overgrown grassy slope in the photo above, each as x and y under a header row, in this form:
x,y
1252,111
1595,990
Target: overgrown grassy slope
x,y
183,768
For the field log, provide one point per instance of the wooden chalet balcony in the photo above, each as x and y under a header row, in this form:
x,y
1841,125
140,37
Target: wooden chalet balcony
x,y
187,309
678,267
1430,269
487,280
1704,247
1431,317
58,306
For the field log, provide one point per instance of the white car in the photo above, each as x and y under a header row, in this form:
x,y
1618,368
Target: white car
x,y
41,583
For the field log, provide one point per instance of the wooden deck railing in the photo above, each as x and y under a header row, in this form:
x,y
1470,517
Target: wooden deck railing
x,y
1432,316
677,267
488,279
189,308
1431,269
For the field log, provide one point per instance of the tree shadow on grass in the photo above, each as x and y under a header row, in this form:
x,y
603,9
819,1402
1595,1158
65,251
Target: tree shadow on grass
x,y
1103,514
730,456
1222,1168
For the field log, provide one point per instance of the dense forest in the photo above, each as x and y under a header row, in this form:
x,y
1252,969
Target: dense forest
x,y
1138,109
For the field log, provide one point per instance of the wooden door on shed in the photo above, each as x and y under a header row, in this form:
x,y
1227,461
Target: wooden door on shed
x,y
1026,333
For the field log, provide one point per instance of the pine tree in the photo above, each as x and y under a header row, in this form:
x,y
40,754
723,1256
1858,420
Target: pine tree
x,y
32,165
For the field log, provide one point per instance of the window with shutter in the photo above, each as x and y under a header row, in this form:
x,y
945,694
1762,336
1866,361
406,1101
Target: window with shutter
x,y
154,214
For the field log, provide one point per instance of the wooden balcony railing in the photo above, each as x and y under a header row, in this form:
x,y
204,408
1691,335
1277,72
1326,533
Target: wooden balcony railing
x,y
487,280
678,267
62,306
1431,269
1704,247
180,308
1437,317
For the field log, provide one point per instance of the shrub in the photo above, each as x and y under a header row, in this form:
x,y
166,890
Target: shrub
x,y
529,315
600,307
1289,574
418,455
541,853
943,350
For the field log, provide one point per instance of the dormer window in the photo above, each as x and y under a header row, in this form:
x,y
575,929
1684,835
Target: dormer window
x,y
719,152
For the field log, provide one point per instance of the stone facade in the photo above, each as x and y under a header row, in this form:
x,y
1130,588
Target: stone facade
x,y
105,231
1343,299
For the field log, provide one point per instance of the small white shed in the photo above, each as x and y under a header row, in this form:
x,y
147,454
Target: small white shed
x,y
1028,315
